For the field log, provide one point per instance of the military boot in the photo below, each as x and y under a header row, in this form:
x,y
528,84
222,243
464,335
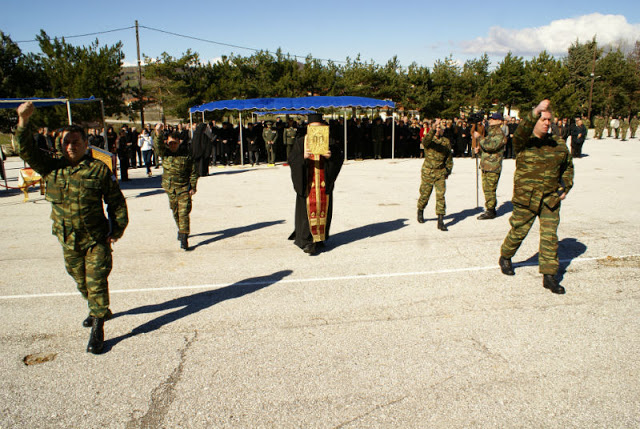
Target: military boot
x,y
441,226
505,266
96,339
549,282
488,214
420,216
184,244
88,322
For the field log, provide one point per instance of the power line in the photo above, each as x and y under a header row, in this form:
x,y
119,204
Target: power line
x,y
227,44
177,35
83,35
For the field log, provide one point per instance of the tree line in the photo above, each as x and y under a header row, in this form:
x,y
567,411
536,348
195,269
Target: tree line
x,y
603,77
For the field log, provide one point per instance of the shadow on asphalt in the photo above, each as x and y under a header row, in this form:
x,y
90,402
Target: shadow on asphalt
x,y
231,232
505,208
568,250
365,231
192,304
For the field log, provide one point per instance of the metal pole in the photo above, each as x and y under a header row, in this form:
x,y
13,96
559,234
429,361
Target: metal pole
x,y
191,124
393,136
140,78
345,135
69,112
104,126
241,145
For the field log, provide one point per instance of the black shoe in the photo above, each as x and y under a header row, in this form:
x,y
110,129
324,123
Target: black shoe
x,y
506,267
310,249
88,322
96,338
441,226
420,216
549,282
488,214
184,244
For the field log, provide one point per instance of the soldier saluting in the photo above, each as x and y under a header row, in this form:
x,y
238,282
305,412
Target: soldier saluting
x,y
436,168
76,186
179,179
543,177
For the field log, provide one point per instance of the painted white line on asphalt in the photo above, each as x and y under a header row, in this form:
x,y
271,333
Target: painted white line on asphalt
x,y
309,280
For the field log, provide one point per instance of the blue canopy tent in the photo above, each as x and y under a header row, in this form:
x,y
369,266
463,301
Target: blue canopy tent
x,y
286,104
13,103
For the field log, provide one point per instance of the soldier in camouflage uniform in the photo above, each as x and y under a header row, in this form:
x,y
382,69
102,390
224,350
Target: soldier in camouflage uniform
x,y
76,186
624,127
269,134
633,125
543,177
492,147
179,179
608,125
599,126
436,168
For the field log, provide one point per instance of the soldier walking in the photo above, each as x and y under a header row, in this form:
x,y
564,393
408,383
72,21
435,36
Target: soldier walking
x,y
179,179
436,168
491,163
76,186
624,127
543,177
633,125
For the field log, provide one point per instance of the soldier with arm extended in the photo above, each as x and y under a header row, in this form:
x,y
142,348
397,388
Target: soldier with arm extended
x,y
492,147
179,179
543,177
77,185
436,168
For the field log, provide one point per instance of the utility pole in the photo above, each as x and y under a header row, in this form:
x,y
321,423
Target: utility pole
x,y
140,95
593,78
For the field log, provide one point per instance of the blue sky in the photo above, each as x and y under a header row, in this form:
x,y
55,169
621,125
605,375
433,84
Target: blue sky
x,y
420,32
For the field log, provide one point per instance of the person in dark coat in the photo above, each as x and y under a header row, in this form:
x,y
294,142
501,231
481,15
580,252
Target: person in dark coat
x,y
201,147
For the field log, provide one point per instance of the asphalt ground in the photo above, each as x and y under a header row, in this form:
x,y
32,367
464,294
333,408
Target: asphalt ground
x,y
394,324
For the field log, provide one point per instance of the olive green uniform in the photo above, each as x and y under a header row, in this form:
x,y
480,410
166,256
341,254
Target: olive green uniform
x,y
269,135
289,138
544,169
76,194
179,176
437,165
492,147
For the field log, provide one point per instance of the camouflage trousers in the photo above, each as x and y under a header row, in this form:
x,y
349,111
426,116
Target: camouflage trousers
x,y
433,178
599,132
489,187
90,269
180,203
608,131
521,221
623,133
633,133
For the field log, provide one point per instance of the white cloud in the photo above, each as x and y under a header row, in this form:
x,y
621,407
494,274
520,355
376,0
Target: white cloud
x,y
556,37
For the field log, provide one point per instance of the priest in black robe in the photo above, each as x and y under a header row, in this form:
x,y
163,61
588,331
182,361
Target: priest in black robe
x,y
301,164
201,148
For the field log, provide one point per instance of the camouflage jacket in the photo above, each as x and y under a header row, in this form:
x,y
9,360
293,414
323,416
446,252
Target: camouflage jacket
x,y
624,124
437,152
492,147
544,167
178,169
269,135
634,123
76,194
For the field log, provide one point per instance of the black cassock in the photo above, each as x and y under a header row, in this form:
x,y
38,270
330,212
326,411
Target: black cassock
x,y
201,147
300,178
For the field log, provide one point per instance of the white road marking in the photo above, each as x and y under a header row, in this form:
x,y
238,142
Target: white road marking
x,y
308,280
